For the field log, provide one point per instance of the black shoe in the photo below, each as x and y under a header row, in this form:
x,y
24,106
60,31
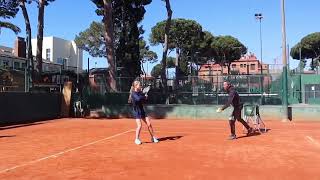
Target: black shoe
x,y
232,137
250,131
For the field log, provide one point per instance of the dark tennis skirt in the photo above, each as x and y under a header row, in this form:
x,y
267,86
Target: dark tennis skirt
x,y
139,114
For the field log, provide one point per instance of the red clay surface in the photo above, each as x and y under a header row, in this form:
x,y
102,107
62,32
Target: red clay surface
x,y
105,149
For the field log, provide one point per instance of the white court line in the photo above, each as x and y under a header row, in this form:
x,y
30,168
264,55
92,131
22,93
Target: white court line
x,y
63,152
313,141
188,128
185,132
226,127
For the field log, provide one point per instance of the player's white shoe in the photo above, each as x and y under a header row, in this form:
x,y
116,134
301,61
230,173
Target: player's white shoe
x,y
137,141
154,140
232,137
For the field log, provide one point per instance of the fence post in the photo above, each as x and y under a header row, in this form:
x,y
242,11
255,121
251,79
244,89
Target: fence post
x,y
25,80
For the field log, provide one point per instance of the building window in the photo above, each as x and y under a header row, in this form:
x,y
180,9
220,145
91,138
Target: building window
x,y
245,65
23,65
60,61
233,66
16,65
241,65
5,63
252,67
48,54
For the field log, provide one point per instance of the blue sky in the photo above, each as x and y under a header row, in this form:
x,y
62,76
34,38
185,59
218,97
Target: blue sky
x,y
65,19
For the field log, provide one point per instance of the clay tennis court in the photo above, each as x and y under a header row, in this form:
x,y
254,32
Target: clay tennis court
x,y
189,149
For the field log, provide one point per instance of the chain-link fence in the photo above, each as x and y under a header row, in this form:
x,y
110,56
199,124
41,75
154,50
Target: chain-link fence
x,y
262,89
304,89
196,89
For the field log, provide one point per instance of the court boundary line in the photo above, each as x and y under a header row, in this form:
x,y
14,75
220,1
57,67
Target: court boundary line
x,y
56,155
313,141
159,128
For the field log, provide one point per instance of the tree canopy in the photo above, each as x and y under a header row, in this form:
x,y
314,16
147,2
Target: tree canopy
x,y
227,49
192,44
92,40
308,48
9,9
156,71
126,16
184,34
185,37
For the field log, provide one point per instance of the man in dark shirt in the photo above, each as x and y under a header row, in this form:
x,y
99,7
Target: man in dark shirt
x,y
234,100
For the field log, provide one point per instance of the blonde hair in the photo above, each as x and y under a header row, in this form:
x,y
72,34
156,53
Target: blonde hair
x,y
133,86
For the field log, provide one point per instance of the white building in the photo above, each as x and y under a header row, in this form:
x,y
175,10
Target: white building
x,y
59,51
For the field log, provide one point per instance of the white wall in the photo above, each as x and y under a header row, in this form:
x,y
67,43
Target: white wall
x,y
60,48
77,55
47,44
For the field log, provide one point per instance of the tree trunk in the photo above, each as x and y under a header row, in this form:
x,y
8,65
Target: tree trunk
x,y
177,66
108,23
28,34
40,37
144,73
165,46
312,65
